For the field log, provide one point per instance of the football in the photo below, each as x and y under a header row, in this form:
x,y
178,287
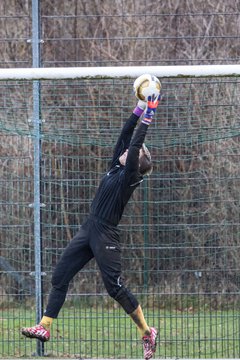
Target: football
x,y
146,85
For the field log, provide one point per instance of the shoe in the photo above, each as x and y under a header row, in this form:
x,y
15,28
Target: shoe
x,y
149,343
37,332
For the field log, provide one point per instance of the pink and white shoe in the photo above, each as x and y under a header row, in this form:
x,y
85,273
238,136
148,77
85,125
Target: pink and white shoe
x,y
149,343
37,332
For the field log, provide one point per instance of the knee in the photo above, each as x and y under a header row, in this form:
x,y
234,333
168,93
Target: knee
x,y
125,298
113,285
112,291
57,282
121,294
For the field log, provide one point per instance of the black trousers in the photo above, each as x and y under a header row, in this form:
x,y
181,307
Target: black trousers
x,y
99,240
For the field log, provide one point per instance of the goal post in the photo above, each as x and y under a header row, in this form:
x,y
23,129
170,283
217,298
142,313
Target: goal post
x,y
119,72
179,233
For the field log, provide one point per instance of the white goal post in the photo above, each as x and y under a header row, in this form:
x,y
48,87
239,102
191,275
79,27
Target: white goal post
x,y
119,72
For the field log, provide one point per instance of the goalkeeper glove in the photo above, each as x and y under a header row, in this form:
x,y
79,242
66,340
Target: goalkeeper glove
x,y
152,105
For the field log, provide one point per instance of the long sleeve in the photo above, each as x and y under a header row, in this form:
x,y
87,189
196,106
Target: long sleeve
x,y
125,137
132,162
118,184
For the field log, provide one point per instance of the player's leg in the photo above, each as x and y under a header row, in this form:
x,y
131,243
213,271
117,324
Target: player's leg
x,y
74,257
109,263
107,252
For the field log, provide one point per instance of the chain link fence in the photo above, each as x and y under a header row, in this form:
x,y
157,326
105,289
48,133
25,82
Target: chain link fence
x,y
180,233
108,33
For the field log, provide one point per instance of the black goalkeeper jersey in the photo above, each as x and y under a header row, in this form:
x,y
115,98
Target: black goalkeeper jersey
x,y
118,184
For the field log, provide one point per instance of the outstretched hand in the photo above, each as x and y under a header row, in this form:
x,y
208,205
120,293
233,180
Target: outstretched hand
x,y
152,105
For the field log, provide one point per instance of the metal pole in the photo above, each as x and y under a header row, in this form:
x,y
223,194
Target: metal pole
x,y
37,167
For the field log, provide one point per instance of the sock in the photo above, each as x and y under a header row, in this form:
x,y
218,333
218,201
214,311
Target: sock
x,y
46,322
138,317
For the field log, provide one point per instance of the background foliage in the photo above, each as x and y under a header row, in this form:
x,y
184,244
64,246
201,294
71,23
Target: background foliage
x,y
180,232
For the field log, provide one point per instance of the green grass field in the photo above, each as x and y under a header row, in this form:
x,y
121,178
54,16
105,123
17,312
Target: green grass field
x,y
94,333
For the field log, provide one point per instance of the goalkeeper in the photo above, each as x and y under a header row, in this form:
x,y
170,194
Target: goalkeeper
x,y
98,237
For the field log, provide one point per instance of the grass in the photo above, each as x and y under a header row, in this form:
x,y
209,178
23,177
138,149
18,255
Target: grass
x,y
99,332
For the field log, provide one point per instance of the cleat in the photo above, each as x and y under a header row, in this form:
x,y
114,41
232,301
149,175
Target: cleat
x,y
37,332
149,344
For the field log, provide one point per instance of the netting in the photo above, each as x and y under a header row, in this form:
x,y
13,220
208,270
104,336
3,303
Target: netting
x,y
180,231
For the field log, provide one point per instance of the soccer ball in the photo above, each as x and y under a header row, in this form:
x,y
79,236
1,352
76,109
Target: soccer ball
x,y
146,85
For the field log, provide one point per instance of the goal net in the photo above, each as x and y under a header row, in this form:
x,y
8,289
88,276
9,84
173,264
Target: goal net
x,y
179,232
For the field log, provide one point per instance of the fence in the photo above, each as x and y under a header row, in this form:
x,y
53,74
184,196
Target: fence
x,y
120,33
181,229
179,233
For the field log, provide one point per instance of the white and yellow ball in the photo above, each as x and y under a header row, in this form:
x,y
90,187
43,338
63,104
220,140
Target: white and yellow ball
x,y
146,85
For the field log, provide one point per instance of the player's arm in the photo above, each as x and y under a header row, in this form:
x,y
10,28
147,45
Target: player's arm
x,y
132,162
125,136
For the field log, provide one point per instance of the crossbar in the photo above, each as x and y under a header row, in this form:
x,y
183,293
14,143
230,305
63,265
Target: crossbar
x,y
119,72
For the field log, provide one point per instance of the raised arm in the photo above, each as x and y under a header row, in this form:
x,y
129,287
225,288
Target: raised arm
x,y
125,136
132,162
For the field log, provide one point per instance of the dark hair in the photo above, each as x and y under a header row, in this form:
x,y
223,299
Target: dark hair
x,y
145,162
